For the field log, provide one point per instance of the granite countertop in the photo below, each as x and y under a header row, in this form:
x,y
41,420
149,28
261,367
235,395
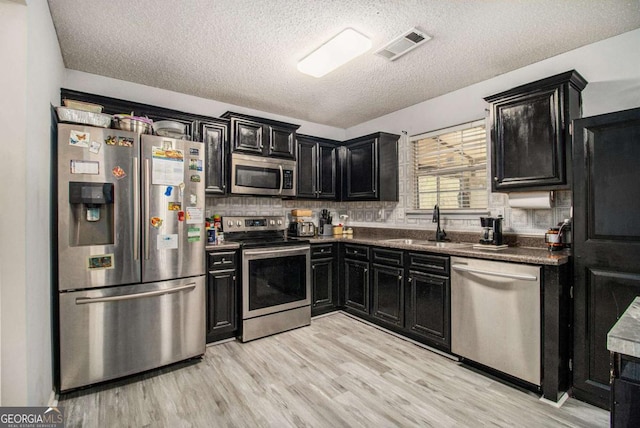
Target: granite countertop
x,y
530,255
624,337
518,254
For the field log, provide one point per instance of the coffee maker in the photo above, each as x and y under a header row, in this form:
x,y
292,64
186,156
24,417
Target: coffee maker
x,y
492,230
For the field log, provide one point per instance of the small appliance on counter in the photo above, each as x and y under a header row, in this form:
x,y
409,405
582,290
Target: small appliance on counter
x,y
325,226
559,237
300,224
302,228
491,234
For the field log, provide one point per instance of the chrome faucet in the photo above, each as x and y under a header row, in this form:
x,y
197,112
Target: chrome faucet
x,y
441,235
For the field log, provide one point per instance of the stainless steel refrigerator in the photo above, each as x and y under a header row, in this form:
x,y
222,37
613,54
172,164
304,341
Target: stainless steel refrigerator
x,y
130,282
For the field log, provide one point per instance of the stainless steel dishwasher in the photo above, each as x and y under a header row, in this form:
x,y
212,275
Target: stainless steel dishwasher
x,y
495,316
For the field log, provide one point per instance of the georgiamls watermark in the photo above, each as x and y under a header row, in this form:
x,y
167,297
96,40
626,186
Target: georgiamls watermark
x,y
31,417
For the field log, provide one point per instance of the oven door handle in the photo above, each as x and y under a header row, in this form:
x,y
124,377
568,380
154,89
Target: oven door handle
x,y
281,180
273,251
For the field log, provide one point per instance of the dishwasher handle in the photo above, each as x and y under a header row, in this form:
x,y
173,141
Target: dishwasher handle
x,y
523,277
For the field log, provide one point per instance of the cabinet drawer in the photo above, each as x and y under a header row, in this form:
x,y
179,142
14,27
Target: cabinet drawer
x,y
321,250
429,263
388,257
358,252
221,260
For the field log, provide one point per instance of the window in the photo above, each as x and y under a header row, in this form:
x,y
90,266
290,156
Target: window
x,y
450,167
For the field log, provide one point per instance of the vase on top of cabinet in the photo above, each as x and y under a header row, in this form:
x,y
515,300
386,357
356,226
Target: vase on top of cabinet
x,y
531,133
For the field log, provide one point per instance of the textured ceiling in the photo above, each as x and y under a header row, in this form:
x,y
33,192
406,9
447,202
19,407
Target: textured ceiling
x,y
244,52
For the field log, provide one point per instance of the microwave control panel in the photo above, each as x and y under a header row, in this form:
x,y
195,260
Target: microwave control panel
x,y
287,179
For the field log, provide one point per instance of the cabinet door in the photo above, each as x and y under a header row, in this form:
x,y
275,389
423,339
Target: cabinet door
x,y
528,141
322,283
281,142
356,284
388,295
247,136
428,306
326,171
214,136
307,169
606,241
361,170
221,303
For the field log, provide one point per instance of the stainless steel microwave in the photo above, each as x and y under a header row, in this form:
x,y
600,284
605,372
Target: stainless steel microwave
x,y
256,175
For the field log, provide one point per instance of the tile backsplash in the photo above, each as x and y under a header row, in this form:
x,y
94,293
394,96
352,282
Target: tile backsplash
x,y
397,215
401,214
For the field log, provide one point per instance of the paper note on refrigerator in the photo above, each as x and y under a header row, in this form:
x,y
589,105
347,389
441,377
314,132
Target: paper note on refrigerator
x,y
194,215
167,242
168,166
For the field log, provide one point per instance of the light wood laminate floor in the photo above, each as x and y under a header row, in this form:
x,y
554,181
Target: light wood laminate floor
x,y
339,372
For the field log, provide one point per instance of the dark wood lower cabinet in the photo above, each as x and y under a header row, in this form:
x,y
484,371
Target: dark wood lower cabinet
x,y
388,294
324,279
356,285
625,391
222,300
428,307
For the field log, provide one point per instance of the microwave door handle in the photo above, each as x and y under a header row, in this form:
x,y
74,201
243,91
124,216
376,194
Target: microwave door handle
x,y
281,179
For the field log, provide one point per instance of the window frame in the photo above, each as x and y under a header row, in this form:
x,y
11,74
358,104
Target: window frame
x,y
461,213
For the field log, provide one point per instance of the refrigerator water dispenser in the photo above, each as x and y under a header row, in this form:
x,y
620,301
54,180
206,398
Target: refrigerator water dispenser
x,y
91,213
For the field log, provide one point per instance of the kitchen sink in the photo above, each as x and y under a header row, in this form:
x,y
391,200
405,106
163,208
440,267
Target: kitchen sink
x,y
428,243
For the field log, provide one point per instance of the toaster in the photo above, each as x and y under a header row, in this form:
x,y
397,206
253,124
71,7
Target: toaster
x,y
302,228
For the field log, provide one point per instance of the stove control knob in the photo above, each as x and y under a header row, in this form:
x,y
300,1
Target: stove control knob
x,y
279,222
238,223
230,223
272,222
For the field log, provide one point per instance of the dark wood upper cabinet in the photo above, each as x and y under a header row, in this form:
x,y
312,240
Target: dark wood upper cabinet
x,y
317,167
263,137
370,168
215,138
531,135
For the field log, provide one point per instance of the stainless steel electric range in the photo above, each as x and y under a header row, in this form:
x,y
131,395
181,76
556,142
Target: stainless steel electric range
x,y
276,275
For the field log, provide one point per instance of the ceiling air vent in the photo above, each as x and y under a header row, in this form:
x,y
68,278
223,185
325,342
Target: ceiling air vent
x,y
402,44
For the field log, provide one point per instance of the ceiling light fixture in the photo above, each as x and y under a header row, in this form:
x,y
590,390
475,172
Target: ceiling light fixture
x,y
338,51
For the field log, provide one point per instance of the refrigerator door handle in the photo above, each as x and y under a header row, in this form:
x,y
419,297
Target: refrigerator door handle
x,y
136,210
146,208
86,300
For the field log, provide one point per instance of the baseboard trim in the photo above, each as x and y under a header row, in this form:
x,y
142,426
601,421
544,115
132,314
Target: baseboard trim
x,y
399,336
563,398
53,399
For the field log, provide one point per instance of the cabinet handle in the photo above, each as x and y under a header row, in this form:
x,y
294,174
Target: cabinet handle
x,y
313,267
366,269
495,178
234,277
399,277
410,279
322,250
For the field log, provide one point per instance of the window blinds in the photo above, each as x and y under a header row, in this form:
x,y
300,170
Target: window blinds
x,y
450,167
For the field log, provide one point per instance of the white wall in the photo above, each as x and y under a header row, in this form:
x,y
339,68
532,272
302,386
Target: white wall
x,y
30,84
13,50
611,66
114,88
